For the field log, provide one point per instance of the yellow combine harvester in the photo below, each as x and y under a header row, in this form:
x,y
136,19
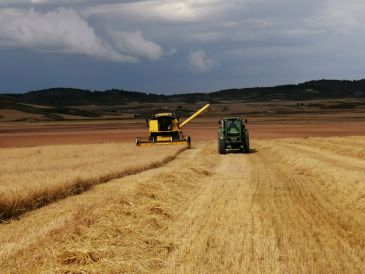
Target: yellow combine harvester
x,y
165,129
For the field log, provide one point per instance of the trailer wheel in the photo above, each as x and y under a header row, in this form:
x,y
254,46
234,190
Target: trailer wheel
x,y
221,146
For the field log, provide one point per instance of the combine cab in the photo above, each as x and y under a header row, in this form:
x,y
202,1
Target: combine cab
x,y
233,136
165,129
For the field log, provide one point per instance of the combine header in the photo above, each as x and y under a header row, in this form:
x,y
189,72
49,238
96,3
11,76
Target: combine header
x,y
165,129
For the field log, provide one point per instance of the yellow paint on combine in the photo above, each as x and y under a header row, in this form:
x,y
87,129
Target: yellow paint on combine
x,y
153,125
165,128
163,139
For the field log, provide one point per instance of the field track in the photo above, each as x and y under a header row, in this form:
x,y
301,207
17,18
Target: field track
x,y
290,206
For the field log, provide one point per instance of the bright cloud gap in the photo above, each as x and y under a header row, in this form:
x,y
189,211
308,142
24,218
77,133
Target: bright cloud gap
x,y
63,30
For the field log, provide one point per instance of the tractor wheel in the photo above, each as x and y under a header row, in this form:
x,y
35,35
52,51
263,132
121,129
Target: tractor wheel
x,y
246,143
221,146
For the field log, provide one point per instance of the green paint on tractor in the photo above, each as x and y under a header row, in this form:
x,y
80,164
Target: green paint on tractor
x,y
233,135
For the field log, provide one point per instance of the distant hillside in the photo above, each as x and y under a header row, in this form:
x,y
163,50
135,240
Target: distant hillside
x,y
70,104
79,97
321,89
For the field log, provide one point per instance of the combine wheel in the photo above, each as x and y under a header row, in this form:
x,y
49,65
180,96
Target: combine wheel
x,y
221,146
188,140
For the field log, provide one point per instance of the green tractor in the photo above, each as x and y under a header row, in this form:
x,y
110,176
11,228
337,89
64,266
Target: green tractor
x,y
233,135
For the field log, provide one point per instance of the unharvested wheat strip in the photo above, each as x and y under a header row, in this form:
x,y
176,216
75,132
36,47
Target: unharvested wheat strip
x,y
350,142
342,178
305,225
38,176
328,155
324,155
356,141
350,150
340,181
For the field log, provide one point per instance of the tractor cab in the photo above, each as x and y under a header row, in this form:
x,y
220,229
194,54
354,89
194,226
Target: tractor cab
x,y
233,126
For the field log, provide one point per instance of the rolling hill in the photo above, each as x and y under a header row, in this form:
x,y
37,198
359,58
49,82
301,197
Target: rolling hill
x,y
58,103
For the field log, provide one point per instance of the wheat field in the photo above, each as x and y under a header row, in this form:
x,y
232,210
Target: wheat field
x,y
33,177
290,206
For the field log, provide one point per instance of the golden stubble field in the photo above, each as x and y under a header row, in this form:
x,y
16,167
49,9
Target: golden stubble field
x,y
291,206
32,177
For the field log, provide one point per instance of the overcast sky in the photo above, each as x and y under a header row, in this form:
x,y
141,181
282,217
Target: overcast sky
x,y
169,46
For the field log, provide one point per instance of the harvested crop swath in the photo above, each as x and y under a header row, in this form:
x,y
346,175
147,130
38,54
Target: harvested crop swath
x,y
33,177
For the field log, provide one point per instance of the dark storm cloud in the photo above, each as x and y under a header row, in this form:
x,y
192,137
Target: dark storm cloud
x,y
183,45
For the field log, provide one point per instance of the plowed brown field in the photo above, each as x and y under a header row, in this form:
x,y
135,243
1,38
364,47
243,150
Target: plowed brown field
x,y
290,206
